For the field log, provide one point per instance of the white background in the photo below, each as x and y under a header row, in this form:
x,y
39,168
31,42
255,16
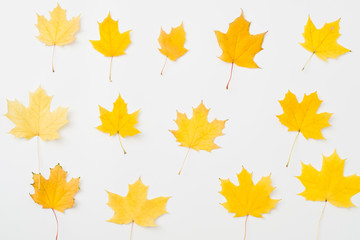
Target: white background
x,y
253,138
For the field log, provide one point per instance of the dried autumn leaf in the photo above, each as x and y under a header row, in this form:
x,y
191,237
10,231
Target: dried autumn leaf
x,y
55,193
238,45
36,119
247,198
112,43
135,207
329,184
323,42
118,121
58,30
197,132
172,44
303,117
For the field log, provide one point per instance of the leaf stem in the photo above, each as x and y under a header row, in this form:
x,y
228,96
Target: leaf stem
x,y
121,143
247,216
183,163
232,67
57,224
38,158
308,61
292,148
322,213
132,227
111,60
52,59
162,70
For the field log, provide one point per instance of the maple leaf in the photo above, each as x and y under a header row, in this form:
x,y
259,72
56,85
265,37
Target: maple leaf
x,y
197,132
135,207
248,198
172,44
238,45
55,193
118,121
112,43
58,30
303,117
329,184
36,119
323,42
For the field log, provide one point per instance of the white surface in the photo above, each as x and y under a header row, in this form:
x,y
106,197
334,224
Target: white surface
x,y
253,135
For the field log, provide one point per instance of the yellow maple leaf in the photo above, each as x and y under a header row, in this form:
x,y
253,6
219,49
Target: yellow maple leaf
x,y
303,117
238,45
55,193
329,184
112,43
172,44
197,132
58,30
36,119
248,198
118,121
323,42
135,207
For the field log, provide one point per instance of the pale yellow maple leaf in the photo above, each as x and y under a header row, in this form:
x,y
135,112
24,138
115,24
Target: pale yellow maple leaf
x,y
135,207
118,121
303,117
323,42
58,30
55,193
238,45
112,43
36,119
197,132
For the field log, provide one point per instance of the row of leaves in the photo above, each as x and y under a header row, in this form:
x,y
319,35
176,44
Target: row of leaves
x,y
238,45
327,185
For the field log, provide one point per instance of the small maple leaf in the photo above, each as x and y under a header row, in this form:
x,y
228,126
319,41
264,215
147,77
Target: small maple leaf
x,y
135,207
197,133
238,45
112,43
323,42
58,30
248,198
329,184
303,117
55,193
118,121
36,119
172,44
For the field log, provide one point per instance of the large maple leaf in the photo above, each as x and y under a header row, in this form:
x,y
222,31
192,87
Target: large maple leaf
x,y
303,117
118,121
238,45
248,198
135,207
112,43
36,119
197,132
172,44
323,42
329,184
58,30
